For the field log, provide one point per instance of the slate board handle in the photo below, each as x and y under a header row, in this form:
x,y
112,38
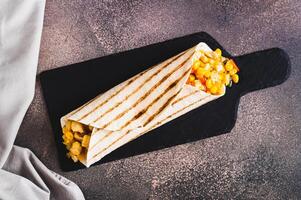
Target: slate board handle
x,y
262,69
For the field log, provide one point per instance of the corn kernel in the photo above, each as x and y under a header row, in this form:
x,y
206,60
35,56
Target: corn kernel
x,y
215,63
191,78
233,71
196,65
207,66
200,73
207,74
213,89
235,78
77,127
209,83
229,65
215,77
75,148
226,79
221,90
234,64
211,62
219,68
218,52
86,140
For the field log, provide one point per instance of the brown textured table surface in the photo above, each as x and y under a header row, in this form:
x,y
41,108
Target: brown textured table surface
x,y
259,159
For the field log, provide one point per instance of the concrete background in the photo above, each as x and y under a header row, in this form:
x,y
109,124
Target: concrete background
x,y
259,159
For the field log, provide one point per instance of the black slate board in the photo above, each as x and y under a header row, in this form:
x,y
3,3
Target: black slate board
x,y
68,87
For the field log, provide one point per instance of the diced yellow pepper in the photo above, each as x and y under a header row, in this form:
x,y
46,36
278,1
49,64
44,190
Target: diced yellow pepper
x,y
74,158
77,127
86,140
68,146
65,129
68,125
75,148
82,156
66,141
69,135
78,136
68,138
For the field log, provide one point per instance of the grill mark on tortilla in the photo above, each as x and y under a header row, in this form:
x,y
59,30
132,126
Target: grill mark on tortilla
x,y
144,110
109,98
153,102
141,98
107,134
139,114
166,103
183,97
128,96
122,88
110,144
169,116
158,123
146,94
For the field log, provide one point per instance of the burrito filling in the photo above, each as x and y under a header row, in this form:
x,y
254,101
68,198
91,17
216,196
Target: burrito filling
x,y
76,137
211,72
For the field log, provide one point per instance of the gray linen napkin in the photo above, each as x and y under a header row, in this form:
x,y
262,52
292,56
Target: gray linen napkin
x,y
22,175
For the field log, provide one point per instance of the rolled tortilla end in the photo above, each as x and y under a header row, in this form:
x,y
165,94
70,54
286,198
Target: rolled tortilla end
x,y
145,102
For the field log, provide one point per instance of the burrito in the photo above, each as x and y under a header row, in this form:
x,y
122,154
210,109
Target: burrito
x,y
146,101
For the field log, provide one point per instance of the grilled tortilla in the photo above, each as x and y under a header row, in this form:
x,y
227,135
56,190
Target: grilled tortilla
x,y
134,107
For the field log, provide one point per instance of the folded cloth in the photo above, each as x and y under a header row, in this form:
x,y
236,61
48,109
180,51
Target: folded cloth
x,y
22,175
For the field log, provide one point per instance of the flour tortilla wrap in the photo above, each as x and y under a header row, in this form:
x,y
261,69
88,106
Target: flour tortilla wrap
x,y
140,104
